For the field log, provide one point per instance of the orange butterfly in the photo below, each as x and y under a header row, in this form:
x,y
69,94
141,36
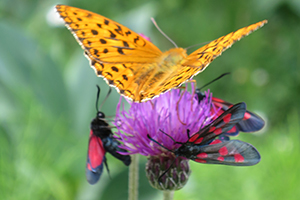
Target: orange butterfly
x,y
135,66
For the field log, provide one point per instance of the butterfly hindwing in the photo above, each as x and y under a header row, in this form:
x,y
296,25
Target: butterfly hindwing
x,y
95,159
232,152
250,123
220,125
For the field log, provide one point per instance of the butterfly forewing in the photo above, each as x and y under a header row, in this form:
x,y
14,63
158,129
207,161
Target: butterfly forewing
x,y
106,40
206,54
95,159
233,152
220,125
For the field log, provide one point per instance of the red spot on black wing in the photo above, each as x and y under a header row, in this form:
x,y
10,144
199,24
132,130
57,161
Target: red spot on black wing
x,y
227,118
217,141
250,123
199,140
239,158
223,151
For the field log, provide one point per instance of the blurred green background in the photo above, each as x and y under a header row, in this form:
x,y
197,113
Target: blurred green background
x,y
47,96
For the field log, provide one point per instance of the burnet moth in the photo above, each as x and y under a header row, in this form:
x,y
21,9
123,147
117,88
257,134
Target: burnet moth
x,y
203,147
101,141
250,122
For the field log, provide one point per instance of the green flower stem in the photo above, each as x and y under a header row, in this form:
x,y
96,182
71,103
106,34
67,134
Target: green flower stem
x,y
168,195
133,178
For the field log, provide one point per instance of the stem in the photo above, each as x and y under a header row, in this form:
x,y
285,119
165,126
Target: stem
x,y
168,195
133,178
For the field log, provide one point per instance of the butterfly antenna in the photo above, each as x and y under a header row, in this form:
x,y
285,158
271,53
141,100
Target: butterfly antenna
x,y
108,93
155,24
214,80
203,43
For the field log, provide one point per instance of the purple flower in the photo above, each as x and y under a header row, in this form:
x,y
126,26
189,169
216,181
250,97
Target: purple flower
x,y
172,113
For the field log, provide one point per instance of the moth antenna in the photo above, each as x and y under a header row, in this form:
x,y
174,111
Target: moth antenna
x,y
150,138
155,24
160,177
213,80
98,95
108,93
175,142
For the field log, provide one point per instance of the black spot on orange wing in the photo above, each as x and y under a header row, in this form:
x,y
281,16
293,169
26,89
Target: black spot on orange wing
x,y
136,39
109,74
178,78
103,41
125,77
119,30
106,22
110,82
120,83
99,73
120,51
125,44
105,51
127,33
94,32
112,35
115,69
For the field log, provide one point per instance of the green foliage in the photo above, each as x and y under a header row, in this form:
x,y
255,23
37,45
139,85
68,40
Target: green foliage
x,y
47,97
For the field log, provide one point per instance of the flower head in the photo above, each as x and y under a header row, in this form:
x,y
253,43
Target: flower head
x,y
163,118
172,113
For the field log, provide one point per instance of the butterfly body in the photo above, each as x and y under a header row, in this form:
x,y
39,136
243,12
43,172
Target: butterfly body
x,y
131,63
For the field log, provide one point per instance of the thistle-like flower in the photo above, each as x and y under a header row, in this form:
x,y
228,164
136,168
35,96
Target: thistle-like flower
x,y
173,113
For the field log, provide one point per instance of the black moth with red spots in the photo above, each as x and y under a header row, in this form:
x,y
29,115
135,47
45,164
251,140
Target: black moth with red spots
x,y
101,141
250,122
233,152
203,146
